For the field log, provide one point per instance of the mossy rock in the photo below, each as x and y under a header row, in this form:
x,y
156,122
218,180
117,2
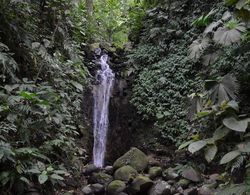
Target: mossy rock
x,y
141,184
155,172
125,173
116,187
101,178
135,158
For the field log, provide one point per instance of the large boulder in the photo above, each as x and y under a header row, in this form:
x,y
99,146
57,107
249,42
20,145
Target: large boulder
x,y
160,188
89,169
141,184
135,158
101,178
191,174
125,173
155,172
116,187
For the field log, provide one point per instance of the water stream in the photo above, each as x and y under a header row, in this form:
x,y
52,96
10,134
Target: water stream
x,y
101,93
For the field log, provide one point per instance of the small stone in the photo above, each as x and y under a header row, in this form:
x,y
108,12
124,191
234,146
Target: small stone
x,y
170,174
141,184
160,188
116,187
180,190
183,183
206,190
109,170
87,190
155,172
125,173
190,191
89,169
191,174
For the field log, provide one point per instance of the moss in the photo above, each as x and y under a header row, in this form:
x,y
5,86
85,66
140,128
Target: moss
x,y
141,184
116,186
125,173
135,158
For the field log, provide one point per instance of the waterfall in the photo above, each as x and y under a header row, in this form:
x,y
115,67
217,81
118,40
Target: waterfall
x,y
101,93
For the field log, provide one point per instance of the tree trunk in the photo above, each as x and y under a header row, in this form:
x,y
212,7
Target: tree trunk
x,y
89,6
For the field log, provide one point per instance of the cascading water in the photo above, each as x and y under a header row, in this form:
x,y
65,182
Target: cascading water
x,y
101,93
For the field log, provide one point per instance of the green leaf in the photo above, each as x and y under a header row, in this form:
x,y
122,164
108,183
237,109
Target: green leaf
x,y
62,172
236,125
197,47
57,177
196,146
34,170
77,85
227,36
25,180
42,178
229,157
203,114
27,95
210,152
220,133
234,105
185,144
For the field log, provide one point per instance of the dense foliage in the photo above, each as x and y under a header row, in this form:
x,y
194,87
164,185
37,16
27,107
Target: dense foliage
x,y
42,77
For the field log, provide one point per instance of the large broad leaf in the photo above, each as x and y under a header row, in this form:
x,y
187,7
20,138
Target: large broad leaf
x,y
185,144
220,133
227,36
196,146
210,152
223,90
213,26
42,178
197,47
236,125
56,177
210,58
230,156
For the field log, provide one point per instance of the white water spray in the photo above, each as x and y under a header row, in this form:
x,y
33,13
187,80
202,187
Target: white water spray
x,y
102,93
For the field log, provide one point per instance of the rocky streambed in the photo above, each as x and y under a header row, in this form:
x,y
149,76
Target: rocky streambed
x,y
134,174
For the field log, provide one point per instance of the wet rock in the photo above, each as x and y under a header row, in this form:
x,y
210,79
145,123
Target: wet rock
x,y
206,190
89,169
180,190
155,172
122,193
160,188
97,188
141,184
183,183
109,170
135,158
152,161
190,191
101,178
125,173
170,174
116,187
87,190
191,174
